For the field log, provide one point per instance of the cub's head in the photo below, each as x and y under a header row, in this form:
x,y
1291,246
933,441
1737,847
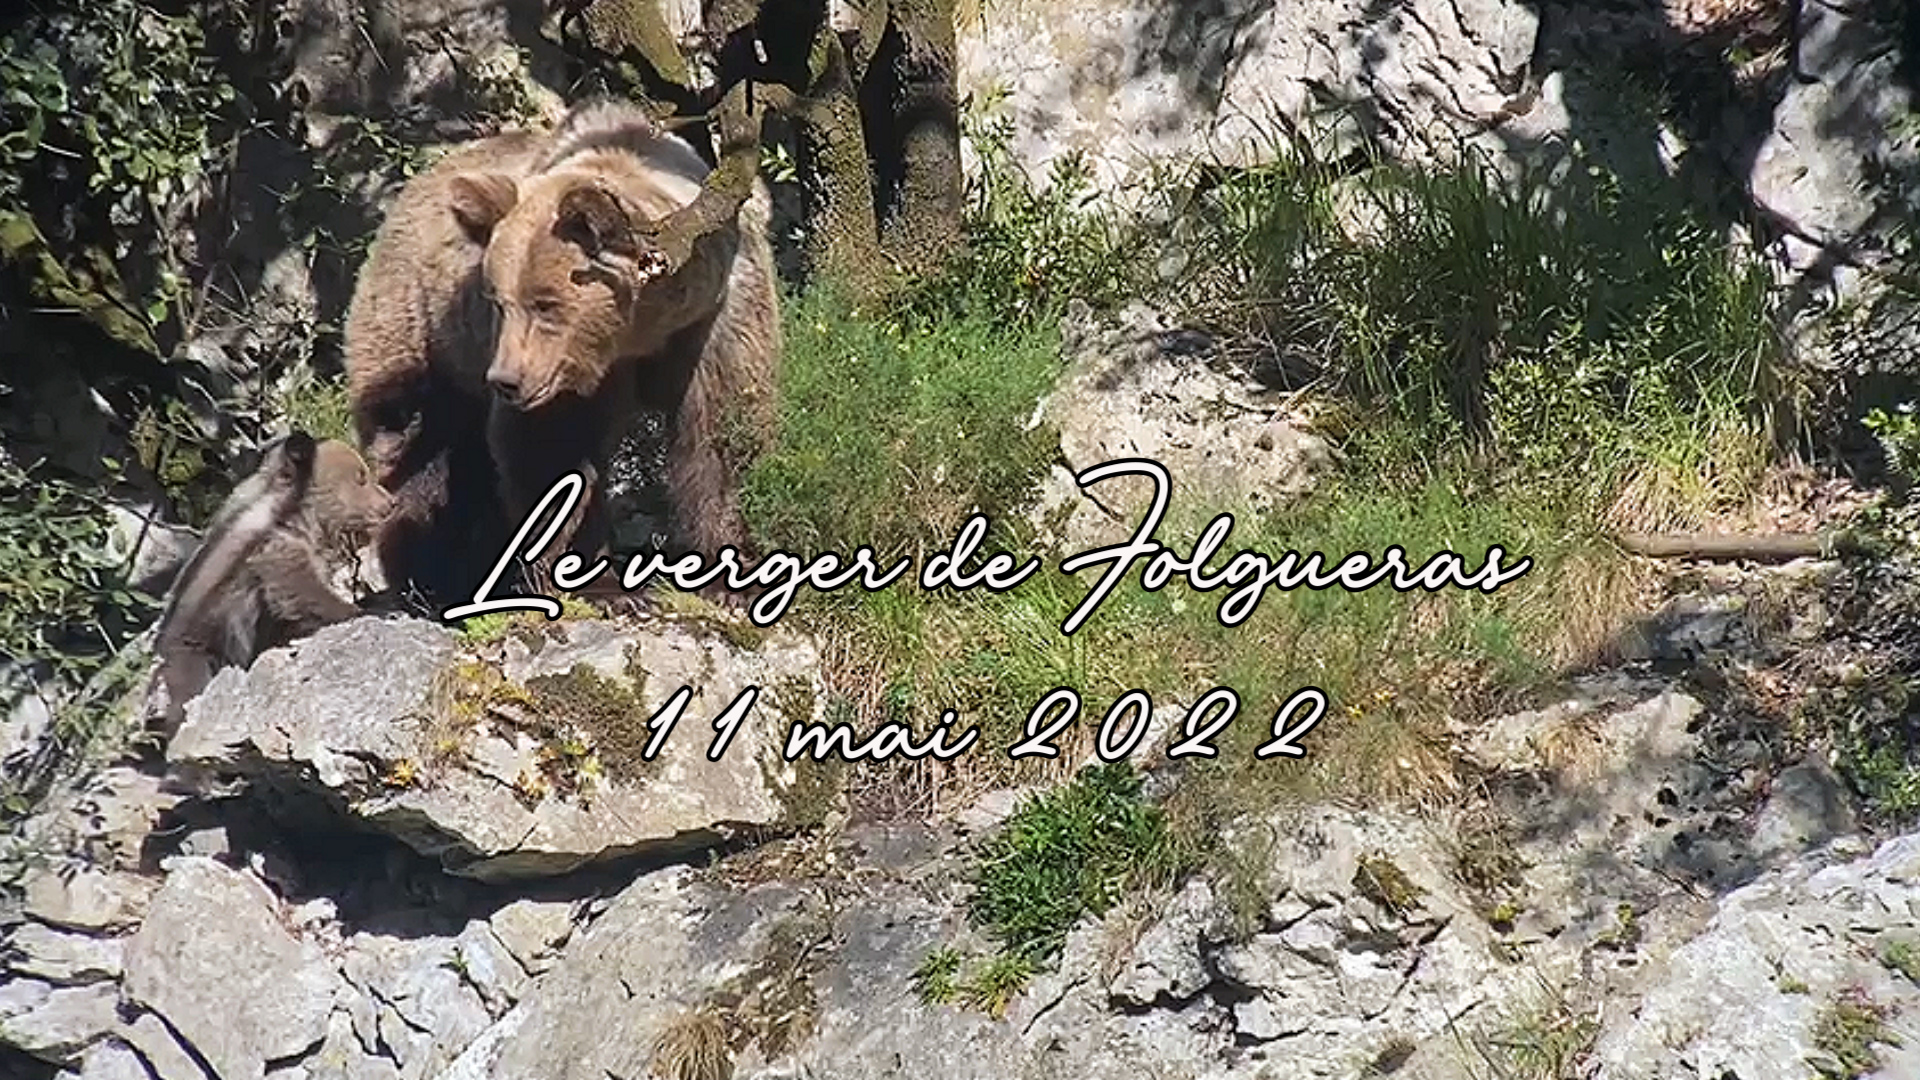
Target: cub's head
x,y
342,496
576,283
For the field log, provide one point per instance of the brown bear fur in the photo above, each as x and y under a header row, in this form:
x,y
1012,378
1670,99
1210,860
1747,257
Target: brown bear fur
x,y
580,338
419,336
262,575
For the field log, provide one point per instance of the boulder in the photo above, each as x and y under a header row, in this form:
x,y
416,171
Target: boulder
x,y
525,762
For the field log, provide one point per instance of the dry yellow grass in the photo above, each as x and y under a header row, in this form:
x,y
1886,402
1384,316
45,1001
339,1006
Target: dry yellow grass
x,y
693,1046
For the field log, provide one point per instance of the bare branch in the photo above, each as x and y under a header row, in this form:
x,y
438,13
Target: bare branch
x,y
1772,547
727,187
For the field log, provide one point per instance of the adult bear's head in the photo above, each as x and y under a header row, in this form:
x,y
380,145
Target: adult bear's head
x,y
576,280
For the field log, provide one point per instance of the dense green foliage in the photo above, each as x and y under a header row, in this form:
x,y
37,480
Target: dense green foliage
x,y
113,122
1069,853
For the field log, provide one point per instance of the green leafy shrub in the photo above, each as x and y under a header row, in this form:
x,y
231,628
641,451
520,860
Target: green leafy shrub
x,y
1069,853
1898,432
66,614
112,118
63,596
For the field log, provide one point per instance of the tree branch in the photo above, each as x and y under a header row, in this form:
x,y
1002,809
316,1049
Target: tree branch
x,y
1775,547
727,187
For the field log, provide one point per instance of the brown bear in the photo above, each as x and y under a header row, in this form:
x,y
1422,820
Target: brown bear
x,y
419,335
577,336
262,575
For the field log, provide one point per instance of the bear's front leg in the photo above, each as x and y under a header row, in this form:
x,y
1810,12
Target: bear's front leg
x,y
531,452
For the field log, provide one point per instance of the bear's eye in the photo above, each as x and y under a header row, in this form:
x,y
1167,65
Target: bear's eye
x,y
546,307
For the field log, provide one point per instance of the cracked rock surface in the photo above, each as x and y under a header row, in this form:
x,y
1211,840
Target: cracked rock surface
x,y
368,716
279,958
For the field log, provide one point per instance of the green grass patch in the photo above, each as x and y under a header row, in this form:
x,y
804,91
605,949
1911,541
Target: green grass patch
x,y
1067,854
1064,855
893,431
1571,330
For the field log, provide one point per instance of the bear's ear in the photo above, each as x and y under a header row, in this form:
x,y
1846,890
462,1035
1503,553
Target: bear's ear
x,y
590,216
480,200
299,448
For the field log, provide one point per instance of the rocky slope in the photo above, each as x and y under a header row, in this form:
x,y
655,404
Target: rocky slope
x,y
395,850
302,927
375,855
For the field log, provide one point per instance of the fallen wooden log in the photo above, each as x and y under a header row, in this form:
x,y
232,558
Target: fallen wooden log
x,y
1771,547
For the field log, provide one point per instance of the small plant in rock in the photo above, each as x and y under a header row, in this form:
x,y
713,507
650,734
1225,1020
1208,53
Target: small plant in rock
x,y
1381,880
997,983
1845,1033
1624,936
1070,853
402,774
1486,855
693,1046
586,720
1389,1058
933,980
1903,956
1546,1039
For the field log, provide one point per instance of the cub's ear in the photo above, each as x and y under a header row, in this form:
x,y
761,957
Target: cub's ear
x,y
480,199
293,457
299,448
591,216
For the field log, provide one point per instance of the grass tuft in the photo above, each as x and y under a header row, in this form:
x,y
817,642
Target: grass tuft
x,y
1069,853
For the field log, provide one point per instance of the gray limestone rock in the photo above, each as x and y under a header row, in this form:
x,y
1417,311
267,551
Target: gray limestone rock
x,y
62,1022
61,957
1224,441
214,959
339,713
1745,997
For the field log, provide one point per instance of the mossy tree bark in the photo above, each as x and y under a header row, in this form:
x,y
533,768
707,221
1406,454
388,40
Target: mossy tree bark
x,y
843,237
914,100
875,106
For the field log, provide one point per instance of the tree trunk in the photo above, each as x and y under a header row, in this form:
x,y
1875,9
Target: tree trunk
x,y
843,239
874,101
921,215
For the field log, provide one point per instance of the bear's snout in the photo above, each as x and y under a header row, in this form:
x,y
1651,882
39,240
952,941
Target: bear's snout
x,y
505,384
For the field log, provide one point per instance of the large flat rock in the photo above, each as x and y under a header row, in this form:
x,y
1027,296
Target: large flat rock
x,y
516,758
